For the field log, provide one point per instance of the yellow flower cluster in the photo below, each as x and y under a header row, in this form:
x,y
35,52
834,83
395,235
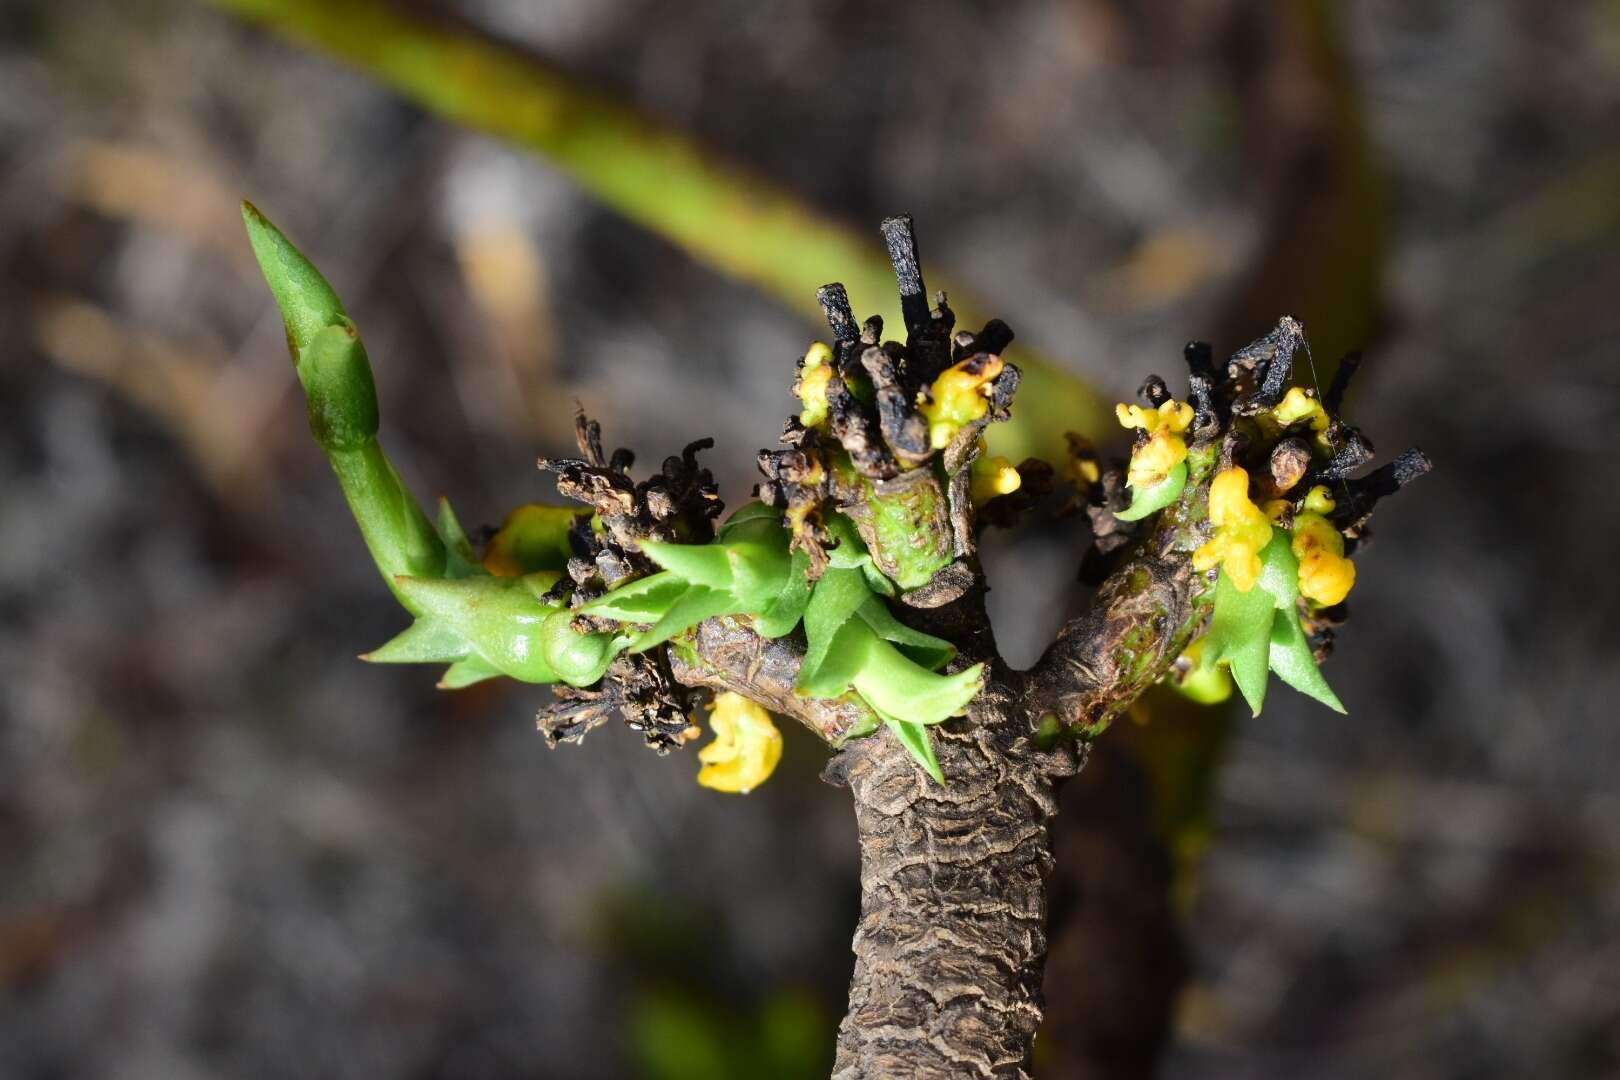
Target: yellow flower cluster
x,y
746,746
958,397
813,379
1241,530
1325,575
993,476
1165,448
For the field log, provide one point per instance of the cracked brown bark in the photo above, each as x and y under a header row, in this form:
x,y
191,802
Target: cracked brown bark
x,y
951,945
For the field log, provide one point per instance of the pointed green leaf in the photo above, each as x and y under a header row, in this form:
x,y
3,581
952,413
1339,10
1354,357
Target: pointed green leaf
x,y
850,551
789,606
464,673
1279,571
460,558
877,580
1292,660
929,651
902,689
759,569
834,600
747,514
500,617
700,564
694,605
644,600
830,670
428,640
1145,501
307,302
1240,635
918,743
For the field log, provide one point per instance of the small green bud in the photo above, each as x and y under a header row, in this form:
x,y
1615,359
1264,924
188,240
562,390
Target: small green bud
x,y
578,659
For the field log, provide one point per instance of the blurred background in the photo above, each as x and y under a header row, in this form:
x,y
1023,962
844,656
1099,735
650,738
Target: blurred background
x,y
229,849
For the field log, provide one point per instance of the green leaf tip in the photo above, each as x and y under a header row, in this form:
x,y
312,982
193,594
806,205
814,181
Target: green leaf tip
x,y
918,742
307,301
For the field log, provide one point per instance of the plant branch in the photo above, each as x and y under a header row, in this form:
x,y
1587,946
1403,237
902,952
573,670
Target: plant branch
x,y
726,654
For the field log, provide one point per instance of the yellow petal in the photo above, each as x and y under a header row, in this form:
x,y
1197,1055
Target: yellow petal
x,y
993,476
1241,530
958,397
745,749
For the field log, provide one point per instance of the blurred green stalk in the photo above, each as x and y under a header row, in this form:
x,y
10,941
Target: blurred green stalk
x,y
724,216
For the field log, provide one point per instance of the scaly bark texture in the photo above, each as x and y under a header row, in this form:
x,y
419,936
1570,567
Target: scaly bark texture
x,y
951,945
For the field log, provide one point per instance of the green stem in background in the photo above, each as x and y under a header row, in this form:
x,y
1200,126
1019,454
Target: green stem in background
x,y
722,215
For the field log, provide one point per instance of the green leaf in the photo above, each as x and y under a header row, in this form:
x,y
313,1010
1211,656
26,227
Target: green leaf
x,y
877,580
464,673
833,603
1240,635
899,687
747,514
308,303
850,551
789,606
1279,571
832,670
428,640
692,607
917,741
759,565
644,600
1292,660
929,651
501,618
1145,501
700,564
460,558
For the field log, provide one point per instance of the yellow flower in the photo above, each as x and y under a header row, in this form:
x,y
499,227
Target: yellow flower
x,y
1175,415
812,388
746,746
1241,530
993,476
958,397
1164,449
1325,575
1298,406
